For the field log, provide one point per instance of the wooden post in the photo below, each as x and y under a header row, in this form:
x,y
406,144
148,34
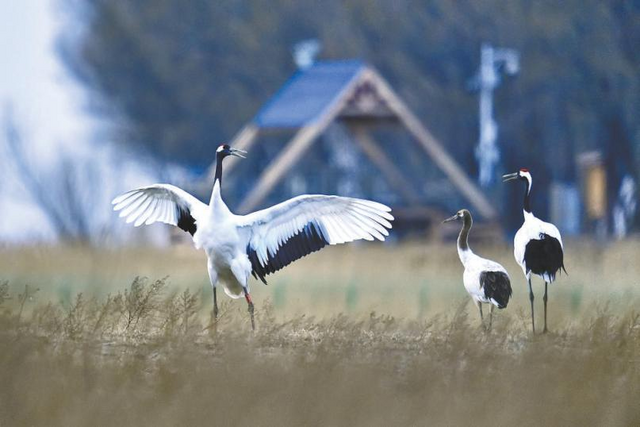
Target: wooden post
x,y
594,191
390,171
594,184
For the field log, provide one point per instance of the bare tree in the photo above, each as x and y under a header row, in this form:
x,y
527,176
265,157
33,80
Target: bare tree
x,y
67,192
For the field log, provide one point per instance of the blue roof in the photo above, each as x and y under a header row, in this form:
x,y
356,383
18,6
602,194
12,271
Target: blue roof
x,y
307,94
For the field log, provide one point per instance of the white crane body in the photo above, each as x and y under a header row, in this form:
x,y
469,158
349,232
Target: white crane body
x,y
259,243
474,267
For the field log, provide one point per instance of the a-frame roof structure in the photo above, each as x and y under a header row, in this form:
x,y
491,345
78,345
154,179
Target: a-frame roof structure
x,y
344,90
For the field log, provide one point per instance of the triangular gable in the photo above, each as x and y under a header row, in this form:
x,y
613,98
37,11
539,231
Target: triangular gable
x,y
346,89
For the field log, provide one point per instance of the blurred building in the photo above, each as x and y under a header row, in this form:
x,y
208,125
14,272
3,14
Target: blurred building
x,y
337,127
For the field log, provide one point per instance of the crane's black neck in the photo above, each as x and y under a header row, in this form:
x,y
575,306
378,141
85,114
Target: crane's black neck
x,y
463,237
527,196
218,176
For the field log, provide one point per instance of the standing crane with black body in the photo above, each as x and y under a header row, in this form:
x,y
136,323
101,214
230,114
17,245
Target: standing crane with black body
x,y
537,246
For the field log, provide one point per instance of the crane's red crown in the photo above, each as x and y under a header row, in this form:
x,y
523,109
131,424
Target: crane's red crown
x,y
524,170
223,147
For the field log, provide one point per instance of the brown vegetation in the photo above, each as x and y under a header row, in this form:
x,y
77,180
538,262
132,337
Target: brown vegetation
x,y
147,354
144,357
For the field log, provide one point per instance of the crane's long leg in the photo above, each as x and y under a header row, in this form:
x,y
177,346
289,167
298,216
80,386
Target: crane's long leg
x,y
491,317
213,278
533,322
545,330
480,309
215,305
250,305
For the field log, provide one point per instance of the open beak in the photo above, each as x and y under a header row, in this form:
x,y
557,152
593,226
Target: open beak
x,y
453,218
510,177
238,153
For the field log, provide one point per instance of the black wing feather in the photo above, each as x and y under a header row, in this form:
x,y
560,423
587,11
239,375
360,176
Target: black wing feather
x,y
544,256
309,239
496,286
186,221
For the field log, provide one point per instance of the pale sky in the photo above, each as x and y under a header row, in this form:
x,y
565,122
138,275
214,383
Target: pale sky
x,y
46,101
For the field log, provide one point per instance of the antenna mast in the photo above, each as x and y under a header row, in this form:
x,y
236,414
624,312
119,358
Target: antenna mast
x,y
493,61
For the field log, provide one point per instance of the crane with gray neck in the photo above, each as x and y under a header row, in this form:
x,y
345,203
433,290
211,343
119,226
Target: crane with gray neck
x,y
486,281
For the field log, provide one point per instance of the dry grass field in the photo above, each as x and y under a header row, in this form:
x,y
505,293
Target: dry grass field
x,y
360,335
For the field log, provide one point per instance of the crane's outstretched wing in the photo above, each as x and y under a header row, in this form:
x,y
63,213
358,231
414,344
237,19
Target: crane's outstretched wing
x,y
290,230
160,203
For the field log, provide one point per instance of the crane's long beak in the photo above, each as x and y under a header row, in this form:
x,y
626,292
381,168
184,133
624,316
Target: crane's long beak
x,y
238,153
510,177
453,218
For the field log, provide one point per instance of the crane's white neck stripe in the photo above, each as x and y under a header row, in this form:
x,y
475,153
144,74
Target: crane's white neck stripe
x,y
529,179
527,199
